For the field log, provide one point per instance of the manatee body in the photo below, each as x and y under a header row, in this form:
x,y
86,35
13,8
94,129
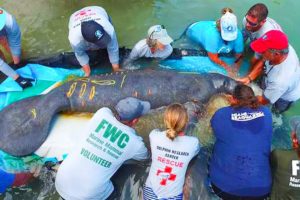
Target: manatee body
x,y
25,124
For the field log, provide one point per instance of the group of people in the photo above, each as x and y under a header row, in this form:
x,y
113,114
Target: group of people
x,y
239,167
90,28
275,62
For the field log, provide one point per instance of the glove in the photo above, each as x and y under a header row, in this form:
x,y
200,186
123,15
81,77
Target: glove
x,y
24,82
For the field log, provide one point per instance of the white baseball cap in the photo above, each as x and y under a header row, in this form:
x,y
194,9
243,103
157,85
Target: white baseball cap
x,y
159,33
229,28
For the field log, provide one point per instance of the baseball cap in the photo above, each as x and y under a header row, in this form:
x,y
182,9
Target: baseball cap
x,y
159,33
229,28
295,125
273,39
95,33
2,18
131,108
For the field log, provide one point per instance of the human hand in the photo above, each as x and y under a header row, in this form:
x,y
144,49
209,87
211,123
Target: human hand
x,y
116,67
235,68
87,70
245,80
24,82
231,73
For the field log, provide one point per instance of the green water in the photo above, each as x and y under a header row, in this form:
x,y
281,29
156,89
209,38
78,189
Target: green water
x,y
44,25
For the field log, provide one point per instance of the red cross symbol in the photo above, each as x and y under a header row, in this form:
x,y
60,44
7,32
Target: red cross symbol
x,y
83,12
166,175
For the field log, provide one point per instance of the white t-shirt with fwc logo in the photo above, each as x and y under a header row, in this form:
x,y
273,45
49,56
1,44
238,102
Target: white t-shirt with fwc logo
x,y
86,172
170,160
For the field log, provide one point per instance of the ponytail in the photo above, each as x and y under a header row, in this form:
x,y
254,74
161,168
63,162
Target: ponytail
x,y
175,119
171,134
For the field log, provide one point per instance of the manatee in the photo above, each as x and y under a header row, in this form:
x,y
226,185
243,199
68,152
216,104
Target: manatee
x,y
25,124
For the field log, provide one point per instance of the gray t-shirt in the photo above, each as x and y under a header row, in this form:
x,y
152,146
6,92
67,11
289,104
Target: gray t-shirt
x,y
283,80
269,25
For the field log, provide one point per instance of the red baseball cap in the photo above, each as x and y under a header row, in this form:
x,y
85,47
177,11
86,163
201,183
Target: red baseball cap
x,y
273,39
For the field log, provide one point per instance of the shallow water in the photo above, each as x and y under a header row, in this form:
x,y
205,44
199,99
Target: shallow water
x,y
44,29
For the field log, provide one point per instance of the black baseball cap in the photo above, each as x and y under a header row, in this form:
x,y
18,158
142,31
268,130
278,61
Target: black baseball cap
x,y
95,33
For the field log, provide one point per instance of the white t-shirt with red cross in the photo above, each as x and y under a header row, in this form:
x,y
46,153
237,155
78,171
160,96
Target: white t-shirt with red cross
x,y
86,172
170,160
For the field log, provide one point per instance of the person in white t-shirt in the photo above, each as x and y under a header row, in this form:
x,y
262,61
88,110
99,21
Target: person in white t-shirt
x,y
281,75
156,45
255,24
91,28
171,152
86,172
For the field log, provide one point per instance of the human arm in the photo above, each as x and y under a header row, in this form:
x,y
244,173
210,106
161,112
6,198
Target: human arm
x,y
14,38
8,71
113,52
82,57
274,90
237,63
238,49
214,57
135,53
142,152
253,74
263,100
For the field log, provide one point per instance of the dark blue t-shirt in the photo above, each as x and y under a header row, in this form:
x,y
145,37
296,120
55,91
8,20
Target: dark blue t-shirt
x,y
6,180
240,160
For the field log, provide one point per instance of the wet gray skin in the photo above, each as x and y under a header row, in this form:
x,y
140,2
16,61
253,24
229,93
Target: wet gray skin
x,y
25,124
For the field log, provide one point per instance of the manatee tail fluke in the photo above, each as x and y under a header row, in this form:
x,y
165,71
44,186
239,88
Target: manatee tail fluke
x,y
21,116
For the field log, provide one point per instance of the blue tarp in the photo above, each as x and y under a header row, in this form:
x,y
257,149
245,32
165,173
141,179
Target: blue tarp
x,y
36,72
201,65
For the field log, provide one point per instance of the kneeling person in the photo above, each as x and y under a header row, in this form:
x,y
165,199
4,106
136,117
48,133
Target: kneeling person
x,y
86,172
156,45
172,151
89,29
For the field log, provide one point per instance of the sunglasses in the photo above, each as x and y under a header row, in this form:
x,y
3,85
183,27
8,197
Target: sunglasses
x,y
251,23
